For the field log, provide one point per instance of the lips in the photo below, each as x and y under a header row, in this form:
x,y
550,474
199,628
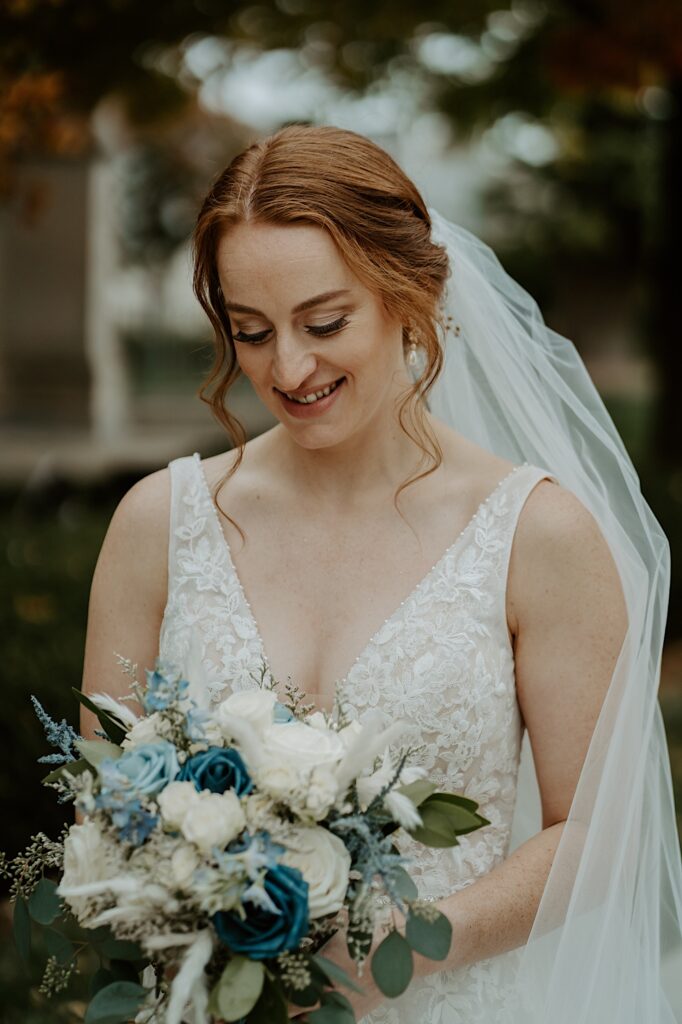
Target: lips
x,y
312,392
311,410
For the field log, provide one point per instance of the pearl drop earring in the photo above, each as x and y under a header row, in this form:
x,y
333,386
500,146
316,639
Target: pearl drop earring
x,y
412,358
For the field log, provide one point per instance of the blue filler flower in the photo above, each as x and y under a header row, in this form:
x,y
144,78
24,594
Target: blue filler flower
x,y
217,769
162,690
264,933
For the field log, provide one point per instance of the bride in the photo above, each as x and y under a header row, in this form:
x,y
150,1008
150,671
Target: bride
x,y
444,526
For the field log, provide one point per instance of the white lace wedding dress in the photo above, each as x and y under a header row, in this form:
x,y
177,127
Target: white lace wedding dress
x,y
442,660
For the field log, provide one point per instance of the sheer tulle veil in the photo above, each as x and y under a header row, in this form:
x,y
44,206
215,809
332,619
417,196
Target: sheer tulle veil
x,y
607,937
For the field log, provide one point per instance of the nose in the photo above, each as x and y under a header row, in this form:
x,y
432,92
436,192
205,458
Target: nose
x,y
293,362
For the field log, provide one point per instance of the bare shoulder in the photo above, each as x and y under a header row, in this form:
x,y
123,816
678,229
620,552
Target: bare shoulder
x,y
137,538
559,554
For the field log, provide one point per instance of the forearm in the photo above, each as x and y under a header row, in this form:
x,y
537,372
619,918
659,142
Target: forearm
x,y
496,912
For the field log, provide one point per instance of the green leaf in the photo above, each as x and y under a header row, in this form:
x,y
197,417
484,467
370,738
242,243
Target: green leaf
x,y
418,790
238,988
58,945
22,928
73,768
95,751
392,965
123,970
100,979
114,731
335,1009
430,938
115,1003
435,830
117,949
404,884
336,974
457,798
271,1008
44,905
463,817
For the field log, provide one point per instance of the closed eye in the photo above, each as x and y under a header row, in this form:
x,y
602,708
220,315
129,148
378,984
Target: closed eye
x,y
331,328
320,331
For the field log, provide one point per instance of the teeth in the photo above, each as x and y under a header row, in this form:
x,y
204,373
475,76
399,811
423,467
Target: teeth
x,y
313,396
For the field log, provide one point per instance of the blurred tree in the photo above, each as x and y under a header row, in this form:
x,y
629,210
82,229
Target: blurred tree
x,y
605,76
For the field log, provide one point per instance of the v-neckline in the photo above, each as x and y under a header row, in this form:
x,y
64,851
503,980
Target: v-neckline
x,y
413,592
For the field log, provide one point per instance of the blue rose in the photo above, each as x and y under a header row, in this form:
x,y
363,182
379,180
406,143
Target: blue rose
x,y
265,932
146,769
283,714
217,769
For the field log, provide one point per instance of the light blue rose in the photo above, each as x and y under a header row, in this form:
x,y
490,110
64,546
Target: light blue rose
x,y
146,769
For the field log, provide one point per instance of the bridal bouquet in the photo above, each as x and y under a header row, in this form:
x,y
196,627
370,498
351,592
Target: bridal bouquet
x,y
220,848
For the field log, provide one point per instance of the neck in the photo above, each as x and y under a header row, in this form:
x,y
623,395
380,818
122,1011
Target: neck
x,y
362,469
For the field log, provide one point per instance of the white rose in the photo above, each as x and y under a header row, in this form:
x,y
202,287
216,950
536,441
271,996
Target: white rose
x,y
184,863
278,777
349,733
321,792
317,720
174,802
145,730
307,746
88,857
255,706
213,819
324,862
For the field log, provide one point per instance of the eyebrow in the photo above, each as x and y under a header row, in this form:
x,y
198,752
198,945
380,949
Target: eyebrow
x,y
316,300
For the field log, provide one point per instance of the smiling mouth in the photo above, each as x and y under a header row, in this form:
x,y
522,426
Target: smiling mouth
x,y
313,396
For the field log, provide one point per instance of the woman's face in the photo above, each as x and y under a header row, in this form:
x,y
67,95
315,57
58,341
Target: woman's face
x,y
303,323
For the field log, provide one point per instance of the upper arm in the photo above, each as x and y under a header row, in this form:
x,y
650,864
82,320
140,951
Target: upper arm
x,y
570,619
128,591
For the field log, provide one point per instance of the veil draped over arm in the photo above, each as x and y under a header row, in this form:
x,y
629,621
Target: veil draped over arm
x,y
606,943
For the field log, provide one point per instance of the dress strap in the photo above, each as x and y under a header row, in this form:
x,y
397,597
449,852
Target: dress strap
x,y
521,485
184,487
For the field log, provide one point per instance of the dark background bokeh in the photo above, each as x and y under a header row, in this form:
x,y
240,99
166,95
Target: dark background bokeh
x,y
114,118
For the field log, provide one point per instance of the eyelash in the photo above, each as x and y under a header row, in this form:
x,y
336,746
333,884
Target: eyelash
x,y
321,332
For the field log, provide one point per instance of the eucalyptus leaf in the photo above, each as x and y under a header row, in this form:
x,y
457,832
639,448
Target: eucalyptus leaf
x,y
72,767
114,731
430,938
58,946
44,904
238,988
418,790
404,884
95,751
22,928
334,1009
336,974
115,1003
392,965
310,995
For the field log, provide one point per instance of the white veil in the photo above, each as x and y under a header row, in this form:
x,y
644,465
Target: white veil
x,y
606,944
